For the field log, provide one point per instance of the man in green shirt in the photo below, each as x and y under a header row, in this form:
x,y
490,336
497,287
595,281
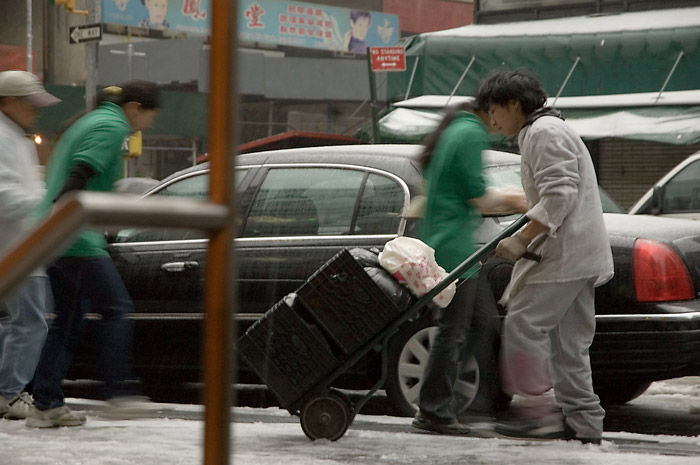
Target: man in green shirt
x,y
87,157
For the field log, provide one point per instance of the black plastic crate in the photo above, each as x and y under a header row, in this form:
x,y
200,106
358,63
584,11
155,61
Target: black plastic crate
x,y
347,302
289,353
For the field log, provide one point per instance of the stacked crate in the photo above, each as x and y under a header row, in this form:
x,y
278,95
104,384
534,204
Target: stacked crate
x,y
298,344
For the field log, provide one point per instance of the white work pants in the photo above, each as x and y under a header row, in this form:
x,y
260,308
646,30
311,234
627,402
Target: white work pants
x,y
547,333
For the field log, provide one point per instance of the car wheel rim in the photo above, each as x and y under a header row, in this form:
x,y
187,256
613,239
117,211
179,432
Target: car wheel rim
x,y
414,359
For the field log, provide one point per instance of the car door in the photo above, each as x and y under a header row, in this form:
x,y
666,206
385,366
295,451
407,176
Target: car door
x,y
163,270
302,215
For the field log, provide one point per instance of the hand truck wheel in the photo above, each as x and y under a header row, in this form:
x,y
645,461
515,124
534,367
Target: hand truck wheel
x,y
326,417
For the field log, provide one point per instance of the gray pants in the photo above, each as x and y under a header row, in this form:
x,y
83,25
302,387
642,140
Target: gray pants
x,y
546,336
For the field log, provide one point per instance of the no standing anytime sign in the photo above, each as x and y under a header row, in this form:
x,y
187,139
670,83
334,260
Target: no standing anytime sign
x,y
388,58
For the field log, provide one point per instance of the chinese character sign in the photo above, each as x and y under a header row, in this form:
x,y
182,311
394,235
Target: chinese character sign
x,y
295,24
317,26
189,16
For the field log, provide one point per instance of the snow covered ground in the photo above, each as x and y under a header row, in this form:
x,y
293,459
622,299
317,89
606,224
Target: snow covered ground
x,y
271,437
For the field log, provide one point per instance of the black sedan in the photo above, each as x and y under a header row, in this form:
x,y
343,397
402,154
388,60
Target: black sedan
x,y
297,208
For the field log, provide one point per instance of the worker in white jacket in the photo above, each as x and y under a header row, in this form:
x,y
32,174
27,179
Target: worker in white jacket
x,y
22,322
550,320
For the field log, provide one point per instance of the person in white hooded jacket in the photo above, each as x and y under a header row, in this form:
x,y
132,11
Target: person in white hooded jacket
x,y
550,321
23,325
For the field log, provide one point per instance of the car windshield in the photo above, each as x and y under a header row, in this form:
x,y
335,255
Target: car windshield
x,y
503,176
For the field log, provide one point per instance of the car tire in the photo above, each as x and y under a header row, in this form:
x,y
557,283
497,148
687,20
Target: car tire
x,y
407,353
619,394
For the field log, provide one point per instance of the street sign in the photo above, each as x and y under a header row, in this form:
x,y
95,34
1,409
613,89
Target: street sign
x,y
388,58
85,33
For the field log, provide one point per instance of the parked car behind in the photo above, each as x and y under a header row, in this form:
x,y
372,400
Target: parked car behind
x,y
676,194
298,207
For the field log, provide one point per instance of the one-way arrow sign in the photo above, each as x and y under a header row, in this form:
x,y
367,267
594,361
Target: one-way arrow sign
x,y
85,33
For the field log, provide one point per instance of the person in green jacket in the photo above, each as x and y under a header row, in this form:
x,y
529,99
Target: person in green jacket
x,y
88,157
456,194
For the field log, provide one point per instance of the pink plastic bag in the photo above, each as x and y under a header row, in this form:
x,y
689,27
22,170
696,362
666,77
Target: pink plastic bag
x,y
412,263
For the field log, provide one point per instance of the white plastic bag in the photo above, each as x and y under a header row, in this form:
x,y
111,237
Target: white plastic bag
x,y
412,263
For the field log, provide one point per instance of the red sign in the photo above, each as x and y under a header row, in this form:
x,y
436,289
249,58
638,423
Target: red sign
x,y
388,58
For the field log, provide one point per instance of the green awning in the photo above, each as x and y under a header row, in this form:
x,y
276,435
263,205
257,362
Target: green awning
x,y
604,54
671,125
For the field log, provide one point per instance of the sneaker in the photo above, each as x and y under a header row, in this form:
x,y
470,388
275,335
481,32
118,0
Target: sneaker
x,y
19,407
424,423
54,417
545,428
4,406
127,407
571,435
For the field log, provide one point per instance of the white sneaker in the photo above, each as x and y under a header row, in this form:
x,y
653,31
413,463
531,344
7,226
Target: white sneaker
x,y
20,407
127,407
51,418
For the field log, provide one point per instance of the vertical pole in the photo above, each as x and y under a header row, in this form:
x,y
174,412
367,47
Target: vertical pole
x,y
29,36
130,60
270,116
413,74
91,60
373,98
220,283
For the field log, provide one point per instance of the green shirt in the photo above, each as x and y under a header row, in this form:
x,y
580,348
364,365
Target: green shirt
x,y
97,140
454,176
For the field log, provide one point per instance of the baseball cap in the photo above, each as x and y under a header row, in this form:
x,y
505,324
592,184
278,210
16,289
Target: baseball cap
x,y
23,84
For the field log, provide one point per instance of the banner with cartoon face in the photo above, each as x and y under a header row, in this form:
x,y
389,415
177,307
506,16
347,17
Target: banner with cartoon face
x,y
187,16
296,24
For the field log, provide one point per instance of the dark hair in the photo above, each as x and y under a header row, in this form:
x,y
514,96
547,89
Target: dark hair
x,y
357,14
431,139
144,92
502,87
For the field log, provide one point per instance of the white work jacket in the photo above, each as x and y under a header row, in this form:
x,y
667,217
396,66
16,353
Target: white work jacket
x,y
562,193
21,187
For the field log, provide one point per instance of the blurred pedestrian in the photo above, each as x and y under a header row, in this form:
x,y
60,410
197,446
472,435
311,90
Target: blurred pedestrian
x,y
88,157
23,322
550,321
455,194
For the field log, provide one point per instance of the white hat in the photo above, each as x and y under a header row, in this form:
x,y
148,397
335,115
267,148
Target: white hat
x,y
24,84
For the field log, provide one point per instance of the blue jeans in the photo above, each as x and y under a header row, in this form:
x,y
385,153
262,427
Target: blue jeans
x,y
22,334
469,325
79,285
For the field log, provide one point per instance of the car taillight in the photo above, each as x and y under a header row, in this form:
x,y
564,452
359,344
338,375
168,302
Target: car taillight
x,y
659,273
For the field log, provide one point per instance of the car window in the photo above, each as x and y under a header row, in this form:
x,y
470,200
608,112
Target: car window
x,y
194,187
502,175
609,205
304,201
682,192
310,201
380,206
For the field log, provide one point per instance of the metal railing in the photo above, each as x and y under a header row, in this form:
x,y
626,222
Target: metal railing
x,y
81,209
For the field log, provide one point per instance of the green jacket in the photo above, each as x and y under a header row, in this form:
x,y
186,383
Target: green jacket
x,y
453,176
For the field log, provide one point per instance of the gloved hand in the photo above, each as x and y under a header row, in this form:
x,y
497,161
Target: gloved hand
x,y
511,248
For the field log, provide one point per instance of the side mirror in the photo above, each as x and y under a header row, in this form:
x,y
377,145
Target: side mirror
x,y
657,200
